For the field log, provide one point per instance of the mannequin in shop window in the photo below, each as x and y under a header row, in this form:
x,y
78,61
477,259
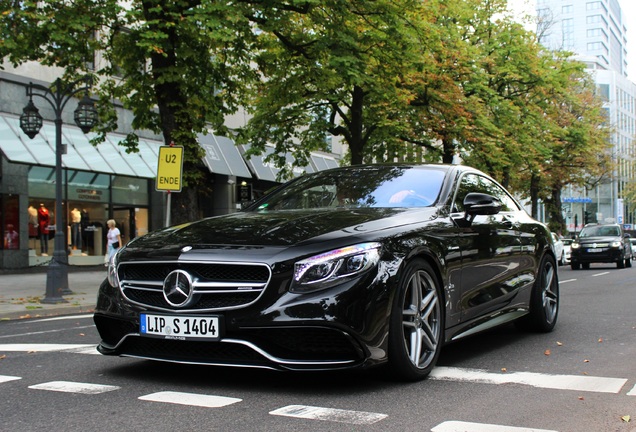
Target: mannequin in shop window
x,y
44,221
11,238
33,222
76,229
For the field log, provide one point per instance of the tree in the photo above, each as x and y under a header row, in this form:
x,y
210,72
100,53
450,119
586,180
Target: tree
x,y
178,66
337,67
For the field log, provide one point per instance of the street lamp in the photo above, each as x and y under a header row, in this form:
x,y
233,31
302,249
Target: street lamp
x,y
30,122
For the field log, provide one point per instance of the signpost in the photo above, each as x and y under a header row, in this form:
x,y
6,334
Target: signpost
x,y
169,172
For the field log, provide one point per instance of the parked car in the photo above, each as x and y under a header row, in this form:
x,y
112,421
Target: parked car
x,y
601,243
558,248
567,251
346,268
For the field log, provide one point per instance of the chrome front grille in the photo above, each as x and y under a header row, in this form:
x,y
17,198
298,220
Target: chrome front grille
x,y
215,286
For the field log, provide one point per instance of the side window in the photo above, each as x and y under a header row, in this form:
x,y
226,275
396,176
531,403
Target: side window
x,y
476,183
468,183
492,188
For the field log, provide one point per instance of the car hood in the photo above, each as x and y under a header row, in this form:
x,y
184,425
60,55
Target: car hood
x,y
588,240
272,229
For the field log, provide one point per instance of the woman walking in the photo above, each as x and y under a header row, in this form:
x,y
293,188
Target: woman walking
x,y
113,237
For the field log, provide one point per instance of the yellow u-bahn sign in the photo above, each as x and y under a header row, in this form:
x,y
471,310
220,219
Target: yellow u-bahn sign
x,y
169,169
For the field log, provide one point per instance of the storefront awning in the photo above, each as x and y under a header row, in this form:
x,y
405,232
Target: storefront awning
x,y
222,156
267,171
322,162
108,157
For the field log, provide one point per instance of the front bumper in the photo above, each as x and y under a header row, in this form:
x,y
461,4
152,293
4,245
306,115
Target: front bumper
x,y
606,255
344,327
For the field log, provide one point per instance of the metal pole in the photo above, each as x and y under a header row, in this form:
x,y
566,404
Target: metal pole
x,y
57,271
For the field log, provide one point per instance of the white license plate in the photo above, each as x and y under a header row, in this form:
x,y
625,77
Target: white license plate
x,y
179,327
595,250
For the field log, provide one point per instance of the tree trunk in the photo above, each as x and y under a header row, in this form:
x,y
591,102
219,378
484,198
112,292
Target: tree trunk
x,y
534,195
356,126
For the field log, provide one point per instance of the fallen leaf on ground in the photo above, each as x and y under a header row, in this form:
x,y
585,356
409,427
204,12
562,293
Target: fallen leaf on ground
x,y
3,356
600,340
504,370
586,361
547,352
581,398
626,419
559,343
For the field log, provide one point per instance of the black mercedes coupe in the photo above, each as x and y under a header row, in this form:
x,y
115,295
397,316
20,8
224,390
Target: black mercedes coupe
x,y
352,267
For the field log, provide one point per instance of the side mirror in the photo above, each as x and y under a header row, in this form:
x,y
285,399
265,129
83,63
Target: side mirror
x,y
480,204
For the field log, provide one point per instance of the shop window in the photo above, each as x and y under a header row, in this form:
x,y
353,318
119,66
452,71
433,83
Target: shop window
x,y
10,222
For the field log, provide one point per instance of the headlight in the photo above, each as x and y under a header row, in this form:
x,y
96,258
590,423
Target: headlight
x,y
113,280
616,244
575,245
334,267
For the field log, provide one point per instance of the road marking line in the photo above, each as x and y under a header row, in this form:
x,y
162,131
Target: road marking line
x,y
632,392
329,414
559,382
207,401
45,347
7,378
459,426
600,274
46,331
566,281
74,387
66,317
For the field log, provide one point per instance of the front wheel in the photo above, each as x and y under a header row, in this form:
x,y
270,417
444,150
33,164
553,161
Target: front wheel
x,y
416,329
544,301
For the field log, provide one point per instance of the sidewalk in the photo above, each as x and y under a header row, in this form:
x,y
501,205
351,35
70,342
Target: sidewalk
x,y
21,293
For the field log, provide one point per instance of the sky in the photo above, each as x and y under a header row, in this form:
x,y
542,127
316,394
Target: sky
x,y
629,20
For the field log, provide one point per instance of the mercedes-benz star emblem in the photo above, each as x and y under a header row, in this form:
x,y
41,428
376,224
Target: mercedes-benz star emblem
x,y
177,288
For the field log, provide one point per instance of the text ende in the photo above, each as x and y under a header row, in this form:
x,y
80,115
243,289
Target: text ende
x,y
185,326
169,181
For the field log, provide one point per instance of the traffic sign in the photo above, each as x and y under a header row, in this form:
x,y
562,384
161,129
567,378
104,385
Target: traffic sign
x,y
169,168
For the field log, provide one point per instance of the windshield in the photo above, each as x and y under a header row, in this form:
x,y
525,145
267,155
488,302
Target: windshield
x,y
356,187
601,231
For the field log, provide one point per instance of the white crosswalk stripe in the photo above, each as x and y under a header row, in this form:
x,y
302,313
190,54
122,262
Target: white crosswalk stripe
x,y
459,426
559,382
7,378
192,399
329,414
74,387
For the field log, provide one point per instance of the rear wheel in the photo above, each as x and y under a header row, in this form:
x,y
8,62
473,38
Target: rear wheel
x,y
544,301
620,263
416,330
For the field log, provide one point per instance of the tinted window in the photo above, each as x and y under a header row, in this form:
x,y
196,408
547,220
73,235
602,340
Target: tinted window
x,y
476,183
380,186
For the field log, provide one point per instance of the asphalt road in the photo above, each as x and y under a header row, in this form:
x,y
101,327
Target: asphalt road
x,y
581,377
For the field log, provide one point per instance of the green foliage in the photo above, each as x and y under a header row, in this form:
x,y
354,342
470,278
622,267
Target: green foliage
x,y
392,79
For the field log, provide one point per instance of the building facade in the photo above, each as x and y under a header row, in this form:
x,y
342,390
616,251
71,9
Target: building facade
x,y
596,31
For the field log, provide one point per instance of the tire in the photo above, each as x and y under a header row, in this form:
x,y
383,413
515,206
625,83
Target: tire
x,y
628,262
575,266
620,263
544,300
416,329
